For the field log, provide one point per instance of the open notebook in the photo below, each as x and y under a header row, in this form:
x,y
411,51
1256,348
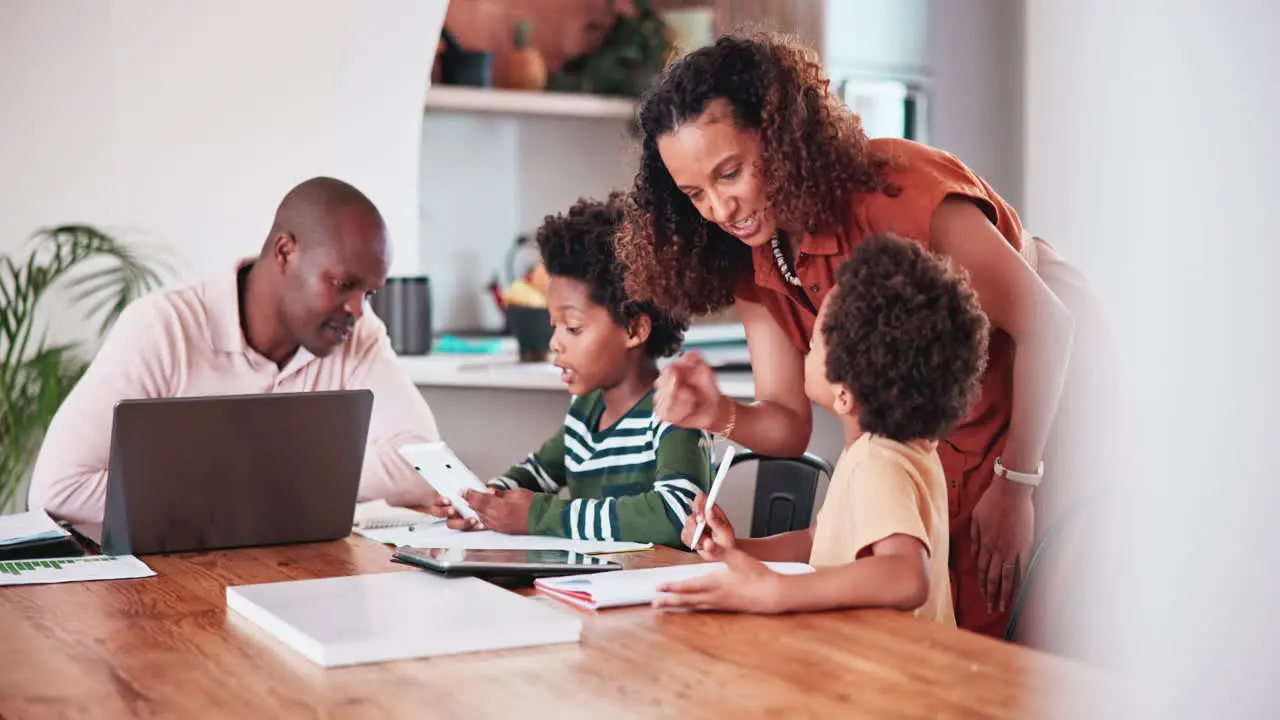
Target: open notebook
x,y
378,515
634,587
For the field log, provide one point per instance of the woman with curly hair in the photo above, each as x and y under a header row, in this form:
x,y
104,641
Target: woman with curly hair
x,y
756,183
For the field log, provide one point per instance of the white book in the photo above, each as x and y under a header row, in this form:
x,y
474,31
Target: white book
x,y
398,615
636,587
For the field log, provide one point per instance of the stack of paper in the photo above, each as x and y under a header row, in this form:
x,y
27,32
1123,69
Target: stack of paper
x,y
34,535
635,587
77,569
441,536
29,527
398,615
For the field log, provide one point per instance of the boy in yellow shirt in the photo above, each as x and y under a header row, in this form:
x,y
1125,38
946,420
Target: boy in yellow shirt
x,y
898,353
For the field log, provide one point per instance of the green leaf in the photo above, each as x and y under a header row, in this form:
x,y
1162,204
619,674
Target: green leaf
x,y
36,377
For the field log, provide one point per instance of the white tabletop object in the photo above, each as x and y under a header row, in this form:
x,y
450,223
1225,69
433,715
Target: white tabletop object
x,y
398,615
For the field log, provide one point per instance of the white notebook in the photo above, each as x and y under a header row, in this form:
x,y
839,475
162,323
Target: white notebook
x,y
378,514
398,615
635,587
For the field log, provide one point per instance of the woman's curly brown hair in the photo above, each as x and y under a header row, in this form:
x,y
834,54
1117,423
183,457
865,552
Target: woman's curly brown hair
x,y
815,155
578,244
906,336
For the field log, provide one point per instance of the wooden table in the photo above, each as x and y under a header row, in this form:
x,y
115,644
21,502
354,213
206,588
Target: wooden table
x,y
167,646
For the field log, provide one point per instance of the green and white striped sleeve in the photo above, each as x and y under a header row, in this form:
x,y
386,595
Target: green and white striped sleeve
x,y
667,483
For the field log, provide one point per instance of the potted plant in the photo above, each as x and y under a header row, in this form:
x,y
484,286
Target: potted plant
x,y
35,375
632,50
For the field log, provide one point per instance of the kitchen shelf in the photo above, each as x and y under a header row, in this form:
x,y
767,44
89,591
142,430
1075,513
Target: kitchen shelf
x,y
525,102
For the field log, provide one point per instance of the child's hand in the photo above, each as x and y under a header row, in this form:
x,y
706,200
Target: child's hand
x,y
442,508
717,537
506,511
747,586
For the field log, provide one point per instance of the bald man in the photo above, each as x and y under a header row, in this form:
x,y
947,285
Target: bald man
x,y
291,320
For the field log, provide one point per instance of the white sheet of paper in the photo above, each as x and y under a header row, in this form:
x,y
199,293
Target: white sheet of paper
x,y
444,537
78,569
28,526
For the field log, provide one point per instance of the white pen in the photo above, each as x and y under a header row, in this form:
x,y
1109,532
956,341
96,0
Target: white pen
x,y
721,474
435,521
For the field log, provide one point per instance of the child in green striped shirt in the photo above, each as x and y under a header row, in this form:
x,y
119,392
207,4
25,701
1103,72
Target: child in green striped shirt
x,y
629,476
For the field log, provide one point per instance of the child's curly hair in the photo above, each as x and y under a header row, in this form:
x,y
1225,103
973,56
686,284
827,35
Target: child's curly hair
x,y
578,244
905,334
815,154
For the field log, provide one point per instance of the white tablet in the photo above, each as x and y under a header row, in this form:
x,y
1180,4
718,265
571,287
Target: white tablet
x,y
437,464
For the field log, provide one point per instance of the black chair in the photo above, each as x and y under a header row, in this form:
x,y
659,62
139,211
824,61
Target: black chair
x,y
1043,550
786,490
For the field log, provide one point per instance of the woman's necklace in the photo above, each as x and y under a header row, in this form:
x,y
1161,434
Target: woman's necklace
x,y
783,267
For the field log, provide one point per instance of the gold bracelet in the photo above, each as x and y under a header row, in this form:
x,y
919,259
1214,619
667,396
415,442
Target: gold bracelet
x,y
733,419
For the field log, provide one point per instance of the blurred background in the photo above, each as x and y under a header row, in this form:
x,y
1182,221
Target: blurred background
x,y
1137,136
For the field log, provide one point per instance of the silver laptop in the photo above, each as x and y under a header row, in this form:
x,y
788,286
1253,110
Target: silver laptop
x,y
204,473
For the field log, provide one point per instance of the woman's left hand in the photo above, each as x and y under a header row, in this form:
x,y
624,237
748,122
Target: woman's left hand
x,y
1002,529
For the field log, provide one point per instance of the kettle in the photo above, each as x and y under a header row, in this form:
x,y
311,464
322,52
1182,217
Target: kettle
x,y
522,257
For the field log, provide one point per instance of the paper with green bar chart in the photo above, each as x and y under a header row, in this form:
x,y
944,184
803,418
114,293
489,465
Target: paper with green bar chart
x,y
78,569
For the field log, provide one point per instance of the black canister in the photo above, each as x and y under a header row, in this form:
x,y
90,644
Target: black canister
x,y
404,304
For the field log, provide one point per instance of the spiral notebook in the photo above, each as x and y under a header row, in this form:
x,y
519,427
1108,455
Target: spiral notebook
x,y
377,515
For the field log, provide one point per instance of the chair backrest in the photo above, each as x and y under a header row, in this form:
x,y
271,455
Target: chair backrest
x,y
1045,611
786,490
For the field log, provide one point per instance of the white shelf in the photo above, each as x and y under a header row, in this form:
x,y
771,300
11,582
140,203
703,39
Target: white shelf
x,y
524,102
502,371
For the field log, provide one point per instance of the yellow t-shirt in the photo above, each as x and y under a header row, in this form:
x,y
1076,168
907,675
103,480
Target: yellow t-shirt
x,y
880,488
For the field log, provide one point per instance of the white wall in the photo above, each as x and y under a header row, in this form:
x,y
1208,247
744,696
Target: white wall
x,y
489,178
183,123
968,55
1152,160
883,36
975,52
